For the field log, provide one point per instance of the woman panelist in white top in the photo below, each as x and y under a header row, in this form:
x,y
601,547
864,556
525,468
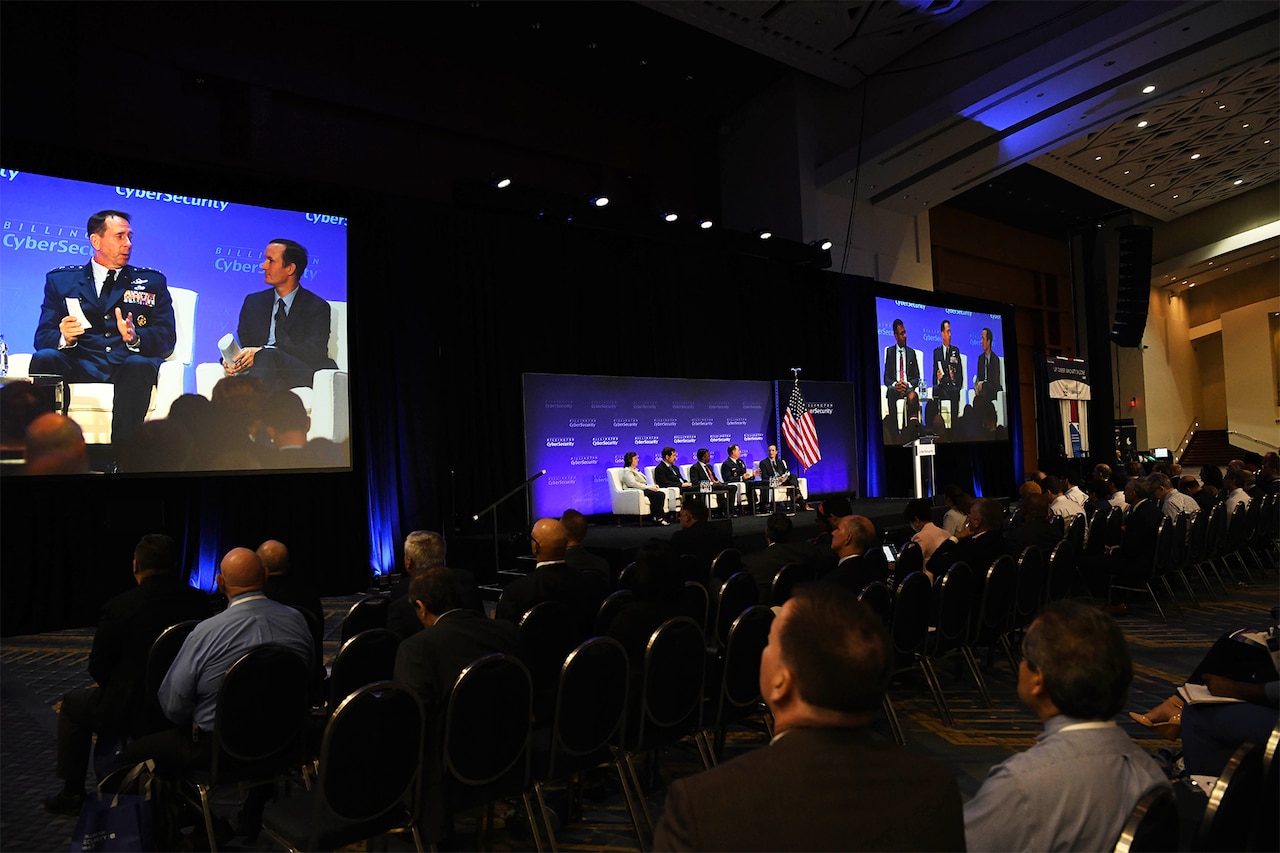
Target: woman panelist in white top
x,y
634,478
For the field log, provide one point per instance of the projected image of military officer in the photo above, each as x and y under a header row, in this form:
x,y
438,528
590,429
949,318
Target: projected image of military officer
x,y
107,321
284,330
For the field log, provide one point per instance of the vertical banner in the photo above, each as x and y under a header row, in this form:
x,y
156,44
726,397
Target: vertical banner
x,y
1068,383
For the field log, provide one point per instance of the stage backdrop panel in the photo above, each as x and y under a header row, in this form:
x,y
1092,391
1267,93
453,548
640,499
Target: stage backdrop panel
x,y
577,427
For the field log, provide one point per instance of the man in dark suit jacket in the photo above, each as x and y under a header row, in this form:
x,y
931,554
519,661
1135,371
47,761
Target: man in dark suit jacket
x,y
424,549
430,661
901,372
851,540
1130,561
779,551
703,471
284,330
979,545
576,555
551,580
127,627
776,466
698,536
987,384
824,782
131,327
733,470
948,378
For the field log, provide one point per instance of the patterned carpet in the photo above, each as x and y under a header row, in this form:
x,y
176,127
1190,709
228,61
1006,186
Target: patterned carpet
x,y
36,670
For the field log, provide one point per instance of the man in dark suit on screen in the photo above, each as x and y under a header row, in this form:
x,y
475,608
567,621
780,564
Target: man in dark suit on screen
x,y
901,371
948,379
825,782
987,383
284,330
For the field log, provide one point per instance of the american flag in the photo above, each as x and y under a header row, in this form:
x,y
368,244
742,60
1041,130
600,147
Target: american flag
x,y
797,427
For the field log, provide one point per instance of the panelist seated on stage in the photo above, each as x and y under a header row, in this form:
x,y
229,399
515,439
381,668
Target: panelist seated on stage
x,y
774,467
703,471
901,369
734,471
948,379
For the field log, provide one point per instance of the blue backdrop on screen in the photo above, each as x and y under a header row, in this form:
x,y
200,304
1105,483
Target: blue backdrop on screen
x,y
923,323
577,427
211,246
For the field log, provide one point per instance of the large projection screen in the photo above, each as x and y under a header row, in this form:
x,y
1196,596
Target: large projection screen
x,y
208,245
577,427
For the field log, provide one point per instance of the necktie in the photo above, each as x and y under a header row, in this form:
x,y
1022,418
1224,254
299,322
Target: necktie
x,y
280,315
110,281
902,366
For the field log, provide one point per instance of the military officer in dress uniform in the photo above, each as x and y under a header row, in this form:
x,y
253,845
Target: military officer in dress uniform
x,y
107,321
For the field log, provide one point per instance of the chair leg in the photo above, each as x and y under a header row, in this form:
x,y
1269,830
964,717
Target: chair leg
x,y
1156,602
1182,573
207,808
542,812
644,801
892,715
972,661
935,687
628,797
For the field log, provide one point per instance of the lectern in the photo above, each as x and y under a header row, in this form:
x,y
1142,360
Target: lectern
x,y
923,450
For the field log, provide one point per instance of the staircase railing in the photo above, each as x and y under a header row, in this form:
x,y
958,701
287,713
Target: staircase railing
x,y
1186,439
1263,447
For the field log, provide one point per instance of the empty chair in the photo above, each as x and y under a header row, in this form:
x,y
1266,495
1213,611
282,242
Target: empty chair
x,y
609,608
951,626
365,658
877,596
370,611
726,564
908,631
987,627
348,803
786,579
590,712
695,603
735,595
1027,597
1197,545
1152,826
548,632
1061,571
1233,801
1158,551
735,695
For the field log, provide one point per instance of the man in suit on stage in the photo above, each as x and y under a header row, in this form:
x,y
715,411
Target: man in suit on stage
x,y
825,782
283,330
948,379
703,470
987,384
776,466
734,470
901,373
128,328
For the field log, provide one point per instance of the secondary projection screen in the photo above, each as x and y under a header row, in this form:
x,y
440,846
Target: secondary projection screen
x,y
210,247
577,427
942,371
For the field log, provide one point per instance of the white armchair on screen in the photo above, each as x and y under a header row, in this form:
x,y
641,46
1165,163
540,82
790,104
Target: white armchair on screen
x,y
327,401
91,402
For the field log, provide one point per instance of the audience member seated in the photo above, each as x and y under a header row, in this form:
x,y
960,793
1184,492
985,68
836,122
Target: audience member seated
x,y
778,551
194,413
128,625
188,695
425,549
919,514
1211,478
576,555
55,445
1130,561
958,503
285,586
1235,485
979,544
285,420
551,580
825,782
1035,529
1191,487
240,440
430,661
20,404
827,516
699,536
656,589
1059,503
1075,788
161,445
851,541
1172,502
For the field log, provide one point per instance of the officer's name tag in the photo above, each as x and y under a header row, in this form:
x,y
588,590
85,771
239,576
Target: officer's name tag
x,y
139,297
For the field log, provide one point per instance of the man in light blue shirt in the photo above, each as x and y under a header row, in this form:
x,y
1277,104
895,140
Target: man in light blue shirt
x,y
189,693
1074,789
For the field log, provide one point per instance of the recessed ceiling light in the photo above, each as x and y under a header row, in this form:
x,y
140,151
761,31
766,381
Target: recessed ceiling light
x,y
1195,156
1246,124
1222,106
1153,186
1142,123
1096,159
1148,90
1126,171
1238,182
1175,195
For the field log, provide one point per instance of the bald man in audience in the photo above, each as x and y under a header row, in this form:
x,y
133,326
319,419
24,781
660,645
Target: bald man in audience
x,y
1074,789
853,537
189,693
551,580
55,445
824,782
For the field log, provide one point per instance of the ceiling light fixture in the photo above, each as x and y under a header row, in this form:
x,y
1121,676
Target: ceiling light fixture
x,y
599,201
1148,90
1195,156
501,183
670,216
705,224
824,245
1238,182
1143,123
764,235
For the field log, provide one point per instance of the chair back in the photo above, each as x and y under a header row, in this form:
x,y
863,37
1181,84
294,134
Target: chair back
x,y
953,603
370,611
591,705
1216,536
164,649
1029,588
627,577
1115,526
726,564
912,604
691,567
877,596
487,722
786,579
736,594
695,601
1198,537
380,721
1266,829
1095,537
910,559
613,602
1058,525
749,634
367,657
1233,801
1178,543
1062,568
1152,826
260,707
1074,530
674,662
992,618
548,632
1237,522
